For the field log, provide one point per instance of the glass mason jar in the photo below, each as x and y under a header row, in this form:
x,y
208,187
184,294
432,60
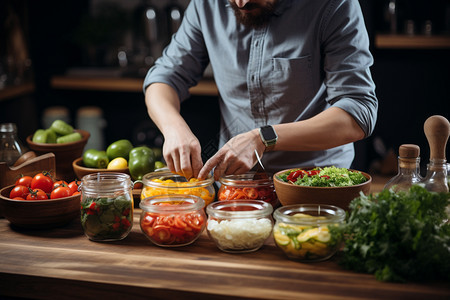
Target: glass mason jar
x,y
106,206
239,226
244,187
308,232
172,220
165,182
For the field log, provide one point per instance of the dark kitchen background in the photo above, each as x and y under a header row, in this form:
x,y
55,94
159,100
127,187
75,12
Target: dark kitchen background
x,y
48,47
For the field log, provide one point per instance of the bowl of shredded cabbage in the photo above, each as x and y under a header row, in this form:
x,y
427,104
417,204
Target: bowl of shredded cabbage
x,y
321,185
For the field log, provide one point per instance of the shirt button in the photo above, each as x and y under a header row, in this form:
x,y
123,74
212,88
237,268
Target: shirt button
x,y
253,77
256,43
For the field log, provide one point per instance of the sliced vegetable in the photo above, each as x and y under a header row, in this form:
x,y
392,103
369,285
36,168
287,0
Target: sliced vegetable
x,y
173,229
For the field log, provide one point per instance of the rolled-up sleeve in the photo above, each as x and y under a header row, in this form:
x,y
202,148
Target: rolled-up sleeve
x,y
347,63
184,60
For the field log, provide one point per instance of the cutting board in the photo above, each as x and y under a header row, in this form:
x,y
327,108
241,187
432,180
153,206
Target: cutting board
x,y
9,175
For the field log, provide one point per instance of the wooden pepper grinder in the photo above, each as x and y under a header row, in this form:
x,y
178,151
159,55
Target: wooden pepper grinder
x,y
437,131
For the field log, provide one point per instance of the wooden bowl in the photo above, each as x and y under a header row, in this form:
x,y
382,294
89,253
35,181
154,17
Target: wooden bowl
x,y
39,214
80,170
64,154
289,193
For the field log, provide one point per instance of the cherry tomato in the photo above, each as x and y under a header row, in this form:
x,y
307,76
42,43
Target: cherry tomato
x,y
24,180
42,181
59,183
74,186
174,229
19,191
60,192
18,198
37,194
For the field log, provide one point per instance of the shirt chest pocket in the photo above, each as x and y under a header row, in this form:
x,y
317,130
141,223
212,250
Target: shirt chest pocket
x,y
291,78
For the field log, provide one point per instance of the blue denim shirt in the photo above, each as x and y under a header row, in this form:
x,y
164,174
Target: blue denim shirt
x,y
313,54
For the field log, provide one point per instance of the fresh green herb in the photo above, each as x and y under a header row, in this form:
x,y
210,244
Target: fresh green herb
x,y
107,218
403,236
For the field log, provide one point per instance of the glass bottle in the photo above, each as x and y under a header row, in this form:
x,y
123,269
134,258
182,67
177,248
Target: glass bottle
x,y
437,131
106,206
11,148
436,177
408,169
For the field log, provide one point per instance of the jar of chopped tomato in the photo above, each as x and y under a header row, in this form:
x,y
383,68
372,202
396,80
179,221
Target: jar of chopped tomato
x,y
165,182
172,220
244,187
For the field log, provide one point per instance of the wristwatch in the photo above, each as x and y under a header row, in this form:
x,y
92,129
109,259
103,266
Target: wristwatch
x,y
268,136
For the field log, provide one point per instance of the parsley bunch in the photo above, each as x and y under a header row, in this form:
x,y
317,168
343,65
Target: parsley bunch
x,y
399,236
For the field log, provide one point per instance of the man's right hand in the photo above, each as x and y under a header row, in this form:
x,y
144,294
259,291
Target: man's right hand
x,y
182,153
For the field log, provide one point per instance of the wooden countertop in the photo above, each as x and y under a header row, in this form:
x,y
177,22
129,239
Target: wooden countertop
x,y
63,264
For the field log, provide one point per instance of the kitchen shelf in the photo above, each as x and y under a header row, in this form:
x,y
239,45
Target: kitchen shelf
x,y
16,91
206,87
398,41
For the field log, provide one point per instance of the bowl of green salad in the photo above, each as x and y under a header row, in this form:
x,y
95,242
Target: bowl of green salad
x,y
321,185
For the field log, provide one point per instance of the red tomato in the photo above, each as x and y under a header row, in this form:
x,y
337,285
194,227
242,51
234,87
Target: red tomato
x,y
59,183
174,229
24,180
19,191
42,181
37,194
18,198
60,192
74,186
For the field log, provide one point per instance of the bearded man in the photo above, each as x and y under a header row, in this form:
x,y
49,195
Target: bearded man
x,y
293,77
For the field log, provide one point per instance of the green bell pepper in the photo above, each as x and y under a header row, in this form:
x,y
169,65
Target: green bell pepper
x,y
93,158
141,162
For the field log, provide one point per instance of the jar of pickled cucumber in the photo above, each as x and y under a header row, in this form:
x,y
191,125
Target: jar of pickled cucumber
x,y
308,232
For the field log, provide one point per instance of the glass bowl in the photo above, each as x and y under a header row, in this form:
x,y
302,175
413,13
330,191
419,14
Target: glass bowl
x,y
172,220
165,182
244,187
308,232
239,226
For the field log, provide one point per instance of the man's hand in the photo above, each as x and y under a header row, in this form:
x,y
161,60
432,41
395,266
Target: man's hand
x,y
182,153
237,156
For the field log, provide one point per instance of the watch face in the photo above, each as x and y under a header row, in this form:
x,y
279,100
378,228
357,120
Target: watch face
x,y
268,133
